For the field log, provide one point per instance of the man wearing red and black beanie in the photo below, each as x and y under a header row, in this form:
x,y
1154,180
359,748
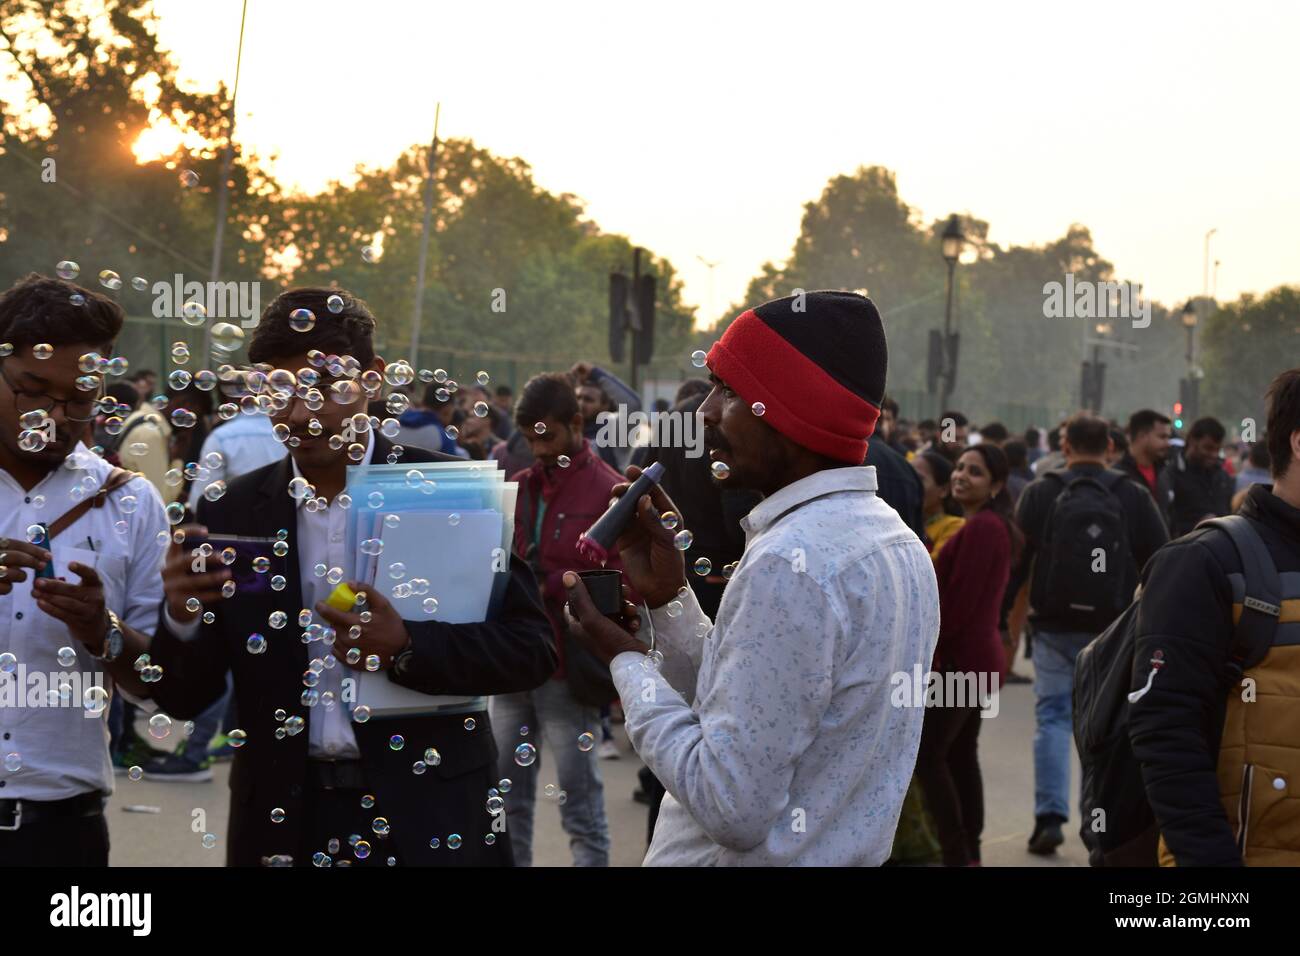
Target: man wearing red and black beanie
x,y
779,730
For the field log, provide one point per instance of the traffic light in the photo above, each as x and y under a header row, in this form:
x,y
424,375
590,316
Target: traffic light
x,y
618,289
643,338
1178,409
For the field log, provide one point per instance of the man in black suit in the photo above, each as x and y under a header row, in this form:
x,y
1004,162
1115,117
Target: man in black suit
x,y
315,781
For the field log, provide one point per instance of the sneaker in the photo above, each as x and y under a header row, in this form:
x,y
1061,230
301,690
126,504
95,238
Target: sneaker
x,y
1014,678
1047,835
175,768
220,749
640,796
608,750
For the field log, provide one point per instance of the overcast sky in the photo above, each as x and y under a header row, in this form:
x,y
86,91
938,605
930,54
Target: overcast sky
x,y
700,129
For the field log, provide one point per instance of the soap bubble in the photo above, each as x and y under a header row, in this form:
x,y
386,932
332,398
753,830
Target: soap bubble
x,y
669,520
703,566
193,313
110,280
720,470
67,269
525,755
256,644
43,350
227,336
758,408
188,178
682,540
160,725
302,320
334,303
586,741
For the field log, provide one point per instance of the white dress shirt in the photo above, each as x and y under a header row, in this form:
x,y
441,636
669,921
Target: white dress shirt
x,y
772,730
63,749
322,539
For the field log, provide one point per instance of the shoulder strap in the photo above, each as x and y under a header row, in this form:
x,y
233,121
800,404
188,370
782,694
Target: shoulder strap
x,y
116,479
1262,602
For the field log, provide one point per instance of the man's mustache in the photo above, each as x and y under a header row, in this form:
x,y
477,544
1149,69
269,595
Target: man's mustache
x,y
714,439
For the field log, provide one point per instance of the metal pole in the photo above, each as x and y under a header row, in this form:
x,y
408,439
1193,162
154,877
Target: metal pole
x,y
636,287
227,160
424,242
948,370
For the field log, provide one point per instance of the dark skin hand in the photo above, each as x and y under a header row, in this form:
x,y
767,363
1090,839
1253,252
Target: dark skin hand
x,y
16,555
180,583
651,562
384,636
82,610
601,636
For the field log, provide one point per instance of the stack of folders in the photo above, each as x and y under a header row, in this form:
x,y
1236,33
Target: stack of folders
x,y
434,538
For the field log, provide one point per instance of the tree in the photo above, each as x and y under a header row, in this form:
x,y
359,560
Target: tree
x,y
1245,344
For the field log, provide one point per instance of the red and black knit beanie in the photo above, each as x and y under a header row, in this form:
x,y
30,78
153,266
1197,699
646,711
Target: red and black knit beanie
x,y
817,362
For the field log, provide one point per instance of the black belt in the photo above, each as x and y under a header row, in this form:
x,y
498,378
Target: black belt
x,y
336,775
16,813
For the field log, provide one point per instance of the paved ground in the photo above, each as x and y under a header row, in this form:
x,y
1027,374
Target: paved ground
x,y
166,838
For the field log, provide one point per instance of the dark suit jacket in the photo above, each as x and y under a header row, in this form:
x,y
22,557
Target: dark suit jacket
x,y
513,652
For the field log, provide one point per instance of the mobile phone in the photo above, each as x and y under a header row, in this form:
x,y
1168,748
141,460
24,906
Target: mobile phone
x,y
44,542
246,560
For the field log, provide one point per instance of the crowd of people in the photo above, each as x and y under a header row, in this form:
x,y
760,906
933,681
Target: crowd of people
x,y
823,545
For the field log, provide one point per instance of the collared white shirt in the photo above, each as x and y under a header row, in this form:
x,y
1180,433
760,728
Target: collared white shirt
x,y
322,539
61,745
773,729
246,443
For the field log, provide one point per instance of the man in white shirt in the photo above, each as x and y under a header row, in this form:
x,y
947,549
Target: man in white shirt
x,y
773,728
70,633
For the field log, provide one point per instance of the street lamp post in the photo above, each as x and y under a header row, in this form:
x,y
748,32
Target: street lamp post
x,y
953,240
1189,393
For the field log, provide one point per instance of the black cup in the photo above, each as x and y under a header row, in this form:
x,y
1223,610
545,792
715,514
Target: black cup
x,y
606,589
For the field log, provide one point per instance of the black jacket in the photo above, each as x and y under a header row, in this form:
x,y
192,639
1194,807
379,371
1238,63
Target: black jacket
x,y
1164,492
1197,492
898,484
1175,728
1146,533
513,652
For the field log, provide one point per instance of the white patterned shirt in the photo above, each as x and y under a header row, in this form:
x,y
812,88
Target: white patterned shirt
x,y
772,730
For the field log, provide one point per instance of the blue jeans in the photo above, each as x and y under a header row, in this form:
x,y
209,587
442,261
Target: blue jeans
x,y
206,726
1054,655
554,720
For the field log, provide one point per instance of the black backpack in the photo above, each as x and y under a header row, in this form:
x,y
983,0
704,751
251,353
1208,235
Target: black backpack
x,y
1085,516
1112,776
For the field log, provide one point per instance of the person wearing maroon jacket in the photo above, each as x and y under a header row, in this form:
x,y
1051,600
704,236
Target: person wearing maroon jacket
x,y
561,495
972,569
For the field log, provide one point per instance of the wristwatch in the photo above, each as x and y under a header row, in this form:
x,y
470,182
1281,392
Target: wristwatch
x,y
114,640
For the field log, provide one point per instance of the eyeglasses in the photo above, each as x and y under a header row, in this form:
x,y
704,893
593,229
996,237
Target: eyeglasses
x,y
75,409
